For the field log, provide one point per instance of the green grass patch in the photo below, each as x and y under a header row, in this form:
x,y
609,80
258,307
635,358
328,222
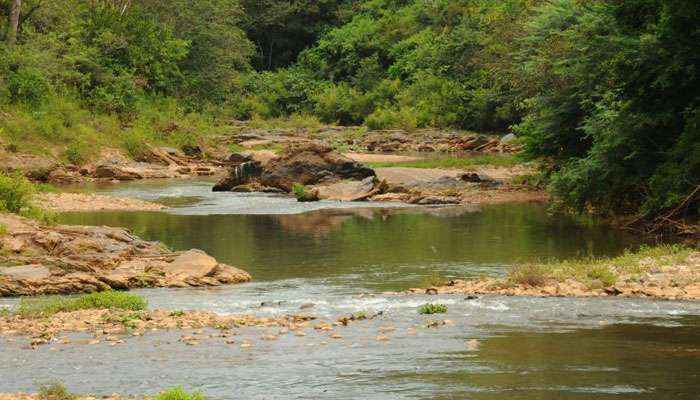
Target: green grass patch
x,y
179,393
49,305
601,271
454,162
3,229
430,308
295,121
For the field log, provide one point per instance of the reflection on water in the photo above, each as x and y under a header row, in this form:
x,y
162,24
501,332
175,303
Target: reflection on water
x,y
382,248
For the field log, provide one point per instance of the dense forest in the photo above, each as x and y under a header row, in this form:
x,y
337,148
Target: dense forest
x,y
603,94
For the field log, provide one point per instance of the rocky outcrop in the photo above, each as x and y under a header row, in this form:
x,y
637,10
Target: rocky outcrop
x,y
76,259
311,163
305,163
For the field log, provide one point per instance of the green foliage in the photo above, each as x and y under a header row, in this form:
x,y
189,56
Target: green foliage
x,y
16,193
27,85
432,309
3,230
47,306
179,393
611,105
55,391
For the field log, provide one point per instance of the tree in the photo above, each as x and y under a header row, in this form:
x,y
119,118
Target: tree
x,y
14,21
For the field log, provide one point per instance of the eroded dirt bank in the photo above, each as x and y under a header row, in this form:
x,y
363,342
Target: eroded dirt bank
x,y
38,259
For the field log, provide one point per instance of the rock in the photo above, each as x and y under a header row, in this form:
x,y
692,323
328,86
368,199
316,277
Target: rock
x,y
311,163
351,190
471,177
105,171
192,263
239,158
87,259
307,306
242,174
435,200
26,272
508,138
308,195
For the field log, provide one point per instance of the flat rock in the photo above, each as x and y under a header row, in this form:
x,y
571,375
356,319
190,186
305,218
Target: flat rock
x,y
348,190
193,263
26,272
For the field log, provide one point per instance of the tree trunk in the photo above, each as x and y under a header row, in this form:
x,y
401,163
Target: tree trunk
x,y
14,22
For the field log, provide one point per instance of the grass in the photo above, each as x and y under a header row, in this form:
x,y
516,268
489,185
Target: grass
x,y
433,280
55,391
50,305
430,308
454,162
179,393
295,121
602,271
3,229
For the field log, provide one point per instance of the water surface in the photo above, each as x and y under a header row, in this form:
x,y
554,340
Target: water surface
x,y
342,261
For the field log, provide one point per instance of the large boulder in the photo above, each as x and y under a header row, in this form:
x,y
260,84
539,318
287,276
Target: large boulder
x,y
311,163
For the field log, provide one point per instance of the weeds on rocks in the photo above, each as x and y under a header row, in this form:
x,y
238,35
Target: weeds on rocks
x,y
432,309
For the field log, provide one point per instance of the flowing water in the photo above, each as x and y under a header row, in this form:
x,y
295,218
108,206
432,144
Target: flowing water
x,y
343,259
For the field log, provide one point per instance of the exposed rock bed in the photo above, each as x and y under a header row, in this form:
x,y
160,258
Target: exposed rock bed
x,y
66,202
113,165
114,325
672,282
38,260
314,164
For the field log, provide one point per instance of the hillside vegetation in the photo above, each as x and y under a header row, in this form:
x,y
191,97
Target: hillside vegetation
x,y
603,93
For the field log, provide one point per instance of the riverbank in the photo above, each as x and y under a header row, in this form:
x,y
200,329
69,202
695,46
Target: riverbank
x,y
38,259
668,272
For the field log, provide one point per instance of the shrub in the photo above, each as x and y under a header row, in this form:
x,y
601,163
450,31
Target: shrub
x,y
16,193
77,152
46,306
55,391
179,393
430,308
530,275
28,85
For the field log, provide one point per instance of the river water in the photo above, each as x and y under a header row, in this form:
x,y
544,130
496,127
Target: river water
x,y
343,258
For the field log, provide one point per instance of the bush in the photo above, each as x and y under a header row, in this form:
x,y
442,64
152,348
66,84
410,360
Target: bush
x,y
179,393
432,309
28,85
16,193
55,391
112,300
